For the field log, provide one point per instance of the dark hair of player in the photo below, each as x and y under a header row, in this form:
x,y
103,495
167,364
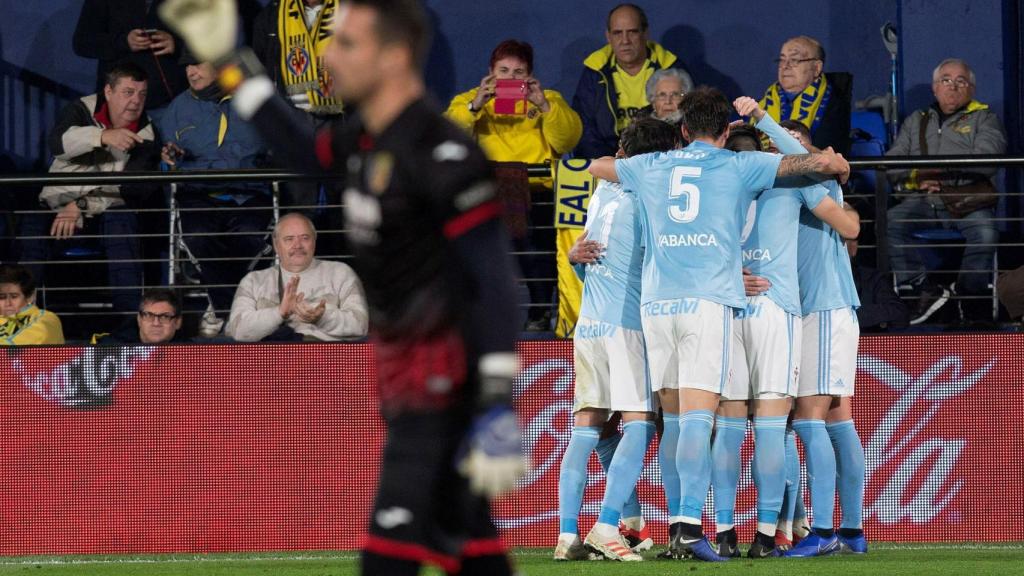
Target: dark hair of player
x,y
649,134
797,126
743,139
705,112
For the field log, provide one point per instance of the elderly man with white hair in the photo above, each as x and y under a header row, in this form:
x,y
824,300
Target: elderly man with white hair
x,y
302,298
964,199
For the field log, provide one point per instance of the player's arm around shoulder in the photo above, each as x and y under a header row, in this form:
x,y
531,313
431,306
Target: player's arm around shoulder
x,y
604,168
824,163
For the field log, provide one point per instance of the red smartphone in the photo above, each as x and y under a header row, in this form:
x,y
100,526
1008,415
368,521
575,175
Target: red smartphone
x,y
510,97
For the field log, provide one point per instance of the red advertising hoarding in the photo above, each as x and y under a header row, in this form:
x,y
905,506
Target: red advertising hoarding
x,y
275,447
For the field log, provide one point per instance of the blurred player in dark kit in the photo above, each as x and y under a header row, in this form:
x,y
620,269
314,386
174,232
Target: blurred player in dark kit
x,y
423,221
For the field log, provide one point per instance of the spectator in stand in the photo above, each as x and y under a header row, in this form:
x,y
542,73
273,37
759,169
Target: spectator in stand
x,y
547,129
665,90
21,321
104,132
880,307
158,321
302,299
964,200
203,131
113,31
294,62
820,101
612,88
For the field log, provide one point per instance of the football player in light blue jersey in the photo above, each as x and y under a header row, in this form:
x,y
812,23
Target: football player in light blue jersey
x,y
694,201
823,417
610,362
766,338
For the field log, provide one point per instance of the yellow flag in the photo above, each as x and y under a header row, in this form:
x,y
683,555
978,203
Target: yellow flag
x,y
570,287
573,187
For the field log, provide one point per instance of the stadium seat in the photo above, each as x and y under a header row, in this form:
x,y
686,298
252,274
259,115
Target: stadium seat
x,y
864,181
870,122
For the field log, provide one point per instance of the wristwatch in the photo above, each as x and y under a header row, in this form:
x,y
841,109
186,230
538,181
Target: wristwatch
x,y
471,109
82,203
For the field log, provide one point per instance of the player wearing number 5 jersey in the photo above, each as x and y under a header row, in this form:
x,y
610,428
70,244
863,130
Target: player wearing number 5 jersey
x,y
694,203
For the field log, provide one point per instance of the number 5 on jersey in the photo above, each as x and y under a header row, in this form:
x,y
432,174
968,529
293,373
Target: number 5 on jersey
x,y
685,194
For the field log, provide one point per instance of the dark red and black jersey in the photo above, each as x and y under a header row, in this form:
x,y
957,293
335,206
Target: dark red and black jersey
x,y
409,192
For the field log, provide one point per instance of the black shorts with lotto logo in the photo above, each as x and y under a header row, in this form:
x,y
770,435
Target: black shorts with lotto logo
x,y
424,510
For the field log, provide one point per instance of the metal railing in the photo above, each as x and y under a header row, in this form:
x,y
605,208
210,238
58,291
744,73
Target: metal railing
x,y
877,198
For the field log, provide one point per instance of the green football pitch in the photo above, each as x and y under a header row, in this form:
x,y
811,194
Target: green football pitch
x,y
884,559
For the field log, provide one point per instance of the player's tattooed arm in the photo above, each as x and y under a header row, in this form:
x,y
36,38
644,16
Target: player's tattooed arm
x,y
800,165
826,163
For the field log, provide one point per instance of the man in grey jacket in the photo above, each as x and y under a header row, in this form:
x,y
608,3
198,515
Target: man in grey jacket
x,y
955,124
301,299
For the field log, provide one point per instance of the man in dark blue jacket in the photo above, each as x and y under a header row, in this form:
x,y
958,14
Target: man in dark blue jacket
x,y
203,131
612,88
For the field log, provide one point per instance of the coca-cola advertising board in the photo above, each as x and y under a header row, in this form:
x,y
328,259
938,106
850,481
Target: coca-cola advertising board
x,y
276,447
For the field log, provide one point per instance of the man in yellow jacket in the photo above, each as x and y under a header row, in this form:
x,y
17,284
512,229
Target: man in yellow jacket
x,y
548,129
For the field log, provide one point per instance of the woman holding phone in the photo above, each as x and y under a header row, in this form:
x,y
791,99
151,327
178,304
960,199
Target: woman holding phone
x,y
515,120
533,126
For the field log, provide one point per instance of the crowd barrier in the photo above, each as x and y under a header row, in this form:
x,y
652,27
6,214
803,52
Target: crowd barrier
x,y
276,447
78,292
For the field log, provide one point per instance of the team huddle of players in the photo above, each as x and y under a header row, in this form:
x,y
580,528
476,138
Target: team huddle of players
x,y
717,288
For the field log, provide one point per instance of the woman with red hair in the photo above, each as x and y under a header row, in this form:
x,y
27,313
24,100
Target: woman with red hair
x,y
548,127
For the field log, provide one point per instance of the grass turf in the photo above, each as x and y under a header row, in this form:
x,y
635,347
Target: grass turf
x,y
897,559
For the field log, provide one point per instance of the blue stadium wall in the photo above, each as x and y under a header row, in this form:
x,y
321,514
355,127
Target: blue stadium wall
x,y
727,43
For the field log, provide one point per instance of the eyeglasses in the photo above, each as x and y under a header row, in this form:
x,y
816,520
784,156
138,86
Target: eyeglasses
x,y
157,318
959,82
792,62
669,95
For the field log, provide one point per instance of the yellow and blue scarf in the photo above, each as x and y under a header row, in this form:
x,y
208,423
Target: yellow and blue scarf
x,y
302,60
808,107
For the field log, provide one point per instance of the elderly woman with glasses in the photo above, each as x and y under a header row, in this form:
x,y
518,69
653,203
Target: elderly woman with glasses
x,y
805,93
665,90
21,321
